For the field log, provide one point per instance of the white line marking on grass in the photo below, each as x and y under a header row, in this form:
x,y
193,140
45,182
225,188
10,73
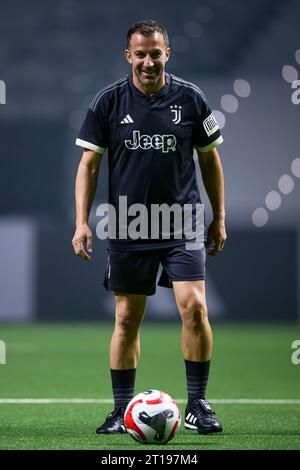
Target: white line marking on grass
x,y
103,401
49,401
256,401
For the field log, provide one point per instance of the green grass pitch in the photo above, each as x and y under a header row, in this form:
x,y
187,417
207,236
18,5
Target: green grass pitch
x,y
72,361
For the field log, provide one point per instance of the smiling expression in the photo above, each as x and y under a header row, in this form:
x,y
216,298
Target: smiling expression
x,y
148,56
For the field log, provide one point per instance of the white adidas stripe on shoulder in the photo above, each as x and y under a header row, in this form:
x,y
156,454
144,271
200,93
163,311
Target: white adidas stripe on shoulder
x,y
102,93
181,81
105,90
187,84
110,85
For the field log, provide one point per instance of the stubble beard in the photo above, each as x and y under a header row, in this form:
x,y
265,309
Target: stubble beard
x,y
148,83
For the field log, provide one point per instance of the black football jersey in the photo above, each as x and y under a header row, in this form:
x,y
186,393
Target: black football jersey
x,y
150,140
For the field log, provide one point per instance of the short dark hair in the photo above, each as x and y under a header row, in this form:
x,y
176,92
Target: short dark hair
x,y
147,28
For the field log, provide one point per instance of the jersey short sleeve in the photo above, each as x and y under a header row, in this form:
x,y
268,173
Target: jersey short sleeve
x,y
93,133
206,134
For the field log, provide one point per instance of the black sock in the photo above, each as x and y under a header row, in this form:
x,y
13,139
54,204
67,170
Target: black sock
x,y
123,386
197,378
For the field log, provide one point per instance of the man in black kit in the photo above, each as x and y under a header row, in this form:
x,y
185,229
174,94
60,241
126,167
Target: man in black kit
x,y
150,122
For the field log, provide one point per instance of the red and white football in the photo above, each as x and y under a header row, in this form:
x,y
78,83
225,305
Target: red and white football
x,y
152,417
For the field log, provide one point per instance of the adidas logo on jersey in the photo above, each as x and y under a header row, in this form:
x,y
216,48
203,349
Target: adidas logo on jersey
x,y
127,120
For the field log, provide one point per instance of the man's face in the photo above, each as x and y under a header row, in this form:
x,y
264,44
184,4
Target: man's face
x,y
148,56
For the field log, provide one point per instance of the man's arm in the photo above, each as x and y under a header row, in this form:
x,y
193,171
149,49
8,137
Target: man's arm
x,y
213,179
85,189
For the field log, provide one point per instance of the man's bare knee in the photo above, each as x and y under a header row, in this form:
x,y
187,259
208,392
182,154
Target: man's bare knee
x,y
129,313
193,311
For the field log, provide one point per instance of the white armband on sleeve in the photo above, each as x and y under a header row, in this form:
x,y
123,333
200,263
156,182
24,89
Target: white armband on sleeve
x,y
90,146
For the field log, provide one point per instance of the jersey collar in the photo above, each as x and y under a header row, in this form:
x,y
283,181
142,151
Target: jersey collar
x,y
163,91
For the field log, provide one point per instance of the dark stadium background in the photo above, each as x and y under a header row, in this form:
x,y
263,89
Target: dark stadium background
x,y
56,318
54,56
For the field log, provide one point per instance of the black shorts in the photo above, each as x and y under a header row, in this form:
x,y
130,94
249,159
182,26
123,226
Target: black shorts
x,y
135,272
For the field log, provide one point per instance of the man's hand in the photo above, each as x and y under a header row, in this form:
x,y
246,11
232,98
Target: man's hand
x,y
83,234
216,237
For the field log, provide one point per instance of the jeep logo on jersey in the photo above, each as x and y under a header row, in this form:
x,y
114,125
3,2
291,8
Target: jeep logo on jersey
x,y
165,142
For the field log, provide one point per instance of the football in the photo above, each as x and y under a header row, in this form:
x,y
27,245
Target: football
x,y
152,417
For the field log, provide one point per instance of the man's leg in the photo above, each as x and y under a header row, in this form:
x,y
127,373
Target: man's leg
x,y
125,341
197,350
196,330
124,356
